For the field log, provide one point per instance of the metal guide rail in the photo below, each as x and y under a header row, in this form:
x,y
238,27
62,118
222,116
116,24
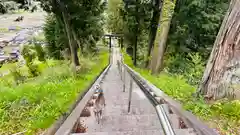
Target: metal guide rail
x,y
66,123
164,120
163,104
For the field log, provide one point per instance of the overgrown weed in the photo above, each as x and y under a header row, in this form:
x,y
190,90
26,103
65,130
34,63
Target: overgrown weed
x,y
36,104
223,115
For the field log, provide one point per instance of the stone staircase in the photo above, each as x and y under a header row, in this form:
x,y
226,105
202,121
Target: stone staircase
x,y
139,132
142,118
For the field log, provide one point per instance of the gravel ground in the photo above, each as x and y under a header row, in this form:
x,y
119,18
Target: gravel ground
x,y
9,28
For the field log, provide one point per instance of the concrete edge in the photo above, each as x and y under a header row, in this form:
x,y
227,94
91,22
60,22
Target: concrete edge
x,y
188,117
58,123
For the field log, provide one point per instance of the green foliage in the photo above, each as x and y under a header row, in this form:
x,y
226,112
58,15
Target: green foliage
x,y
29,55
40,52
38,48
196,72
33,69
195,25
142,48
122,19
8,6
225,114
229,109
12,6
17,75
55,37
114,17
36,104
86,21
190,66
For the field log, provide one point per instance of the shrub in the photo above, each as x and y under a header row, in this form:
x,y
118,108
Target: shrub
x,y
40,52
7,6
36,104
55,37
17,75
224,114
33,69
191,67
29,55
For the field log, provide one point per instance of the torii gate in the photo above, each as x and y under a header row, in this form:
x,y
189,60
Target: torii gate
x,y
115,36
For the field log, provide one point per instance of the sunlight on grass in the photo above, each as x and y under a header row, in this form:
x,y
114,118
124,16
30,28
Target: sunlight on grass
x,y
224,114
35,105
6,67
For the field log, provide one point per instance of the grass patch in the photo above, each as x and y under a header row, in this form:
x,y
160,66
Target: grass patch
x,y
8,49
36,104
223,115
19,11
6,67
40,37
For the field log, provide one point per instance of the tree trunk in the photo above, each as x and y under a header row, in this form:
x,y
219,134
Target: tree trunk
x,y
222,71
110,42
135,49
121,43
75,53
78,41
72,45
161,38
136,37
153,28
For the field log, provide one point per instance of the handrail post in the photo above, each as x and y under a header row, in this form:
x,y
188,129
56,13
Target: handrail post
x,y
120,69
111,57
124,77
130,94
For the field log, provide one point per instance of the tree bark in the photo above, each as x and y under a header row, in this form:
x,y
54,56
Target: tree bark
x,y
78,41
72,45
158,53
110,42
222,71
121,43
161,39
136,36
153,28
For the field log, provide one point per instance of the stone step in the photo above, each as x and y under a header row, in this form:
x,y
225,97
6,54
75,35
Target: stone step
x,y
140,132
139,103
134,110
174,120
122,123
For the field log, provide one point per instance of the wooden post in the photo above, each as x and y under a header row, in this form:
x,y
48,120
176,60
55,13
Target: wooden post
x,y
130,95
110,42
